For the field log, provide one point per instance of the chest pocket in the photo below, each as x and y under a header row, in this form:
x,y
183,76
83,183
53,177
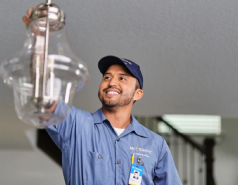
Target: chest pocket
x,y
148,175
97,171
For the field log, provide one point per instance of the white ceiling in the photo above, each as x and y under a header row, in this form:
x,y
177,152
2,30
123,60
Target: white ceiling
x,y
187,50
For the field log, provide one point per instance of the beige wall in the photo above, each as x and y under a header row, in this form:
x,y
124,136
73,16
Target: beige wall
x,y
226,154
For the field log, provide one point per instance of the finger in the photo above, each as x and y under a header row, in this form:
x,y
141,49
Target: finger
x,y
24,18
28,12
26,21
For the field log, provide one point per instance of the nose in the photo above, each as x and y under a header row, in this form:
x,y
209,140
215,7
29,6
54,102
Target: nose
x,y
113,82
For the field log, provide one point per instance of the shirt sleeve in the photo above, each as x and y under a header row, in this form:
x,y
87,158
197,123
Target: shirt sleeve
x,y
165,171
61,133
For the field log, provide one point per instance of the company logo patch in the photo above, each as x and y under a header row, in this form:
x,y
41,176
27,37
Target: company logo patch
x,y
137,149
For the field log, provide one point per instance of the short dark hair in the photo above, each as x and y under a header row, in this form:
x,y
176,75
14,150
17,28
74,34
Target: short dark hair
x,y
137,87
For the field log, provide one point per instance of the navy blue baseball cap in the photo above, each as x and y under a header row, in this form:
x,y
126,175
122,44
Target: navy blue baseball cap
x,y
134,68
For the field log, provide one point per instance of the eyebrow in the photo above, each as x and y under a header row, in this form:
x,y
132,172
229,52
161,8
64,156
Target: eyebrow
x,y
123,74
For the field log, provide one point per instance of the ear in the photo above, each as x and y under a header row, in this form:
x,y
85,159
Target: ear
x,y
138,94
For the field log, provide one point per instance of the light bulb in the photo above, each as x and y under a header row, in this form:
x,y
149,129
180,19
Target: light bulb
x,y
45,70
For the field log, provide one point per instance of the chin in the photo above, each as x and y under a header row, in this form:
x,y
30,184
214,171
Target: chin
x,y
109,104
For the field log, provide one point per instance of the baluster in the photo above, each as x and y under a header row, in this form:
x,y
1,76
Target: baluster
x,y
197,167
185,164
201,171
209,143
192,165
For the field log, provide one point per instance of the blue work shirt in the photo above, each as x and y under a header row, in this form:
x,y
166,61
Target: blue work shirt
x,y
93,153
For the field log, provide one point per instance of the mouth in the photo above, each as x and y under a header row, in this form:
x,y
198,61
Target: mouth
x,y
112,92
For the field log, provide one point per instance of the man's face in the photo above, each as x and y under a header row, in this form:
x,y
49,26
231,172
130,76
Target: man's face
x,y
117,88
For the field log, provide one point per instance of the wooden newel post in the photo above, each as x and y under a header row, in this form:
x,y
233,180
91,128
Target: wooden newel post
x,y
209,144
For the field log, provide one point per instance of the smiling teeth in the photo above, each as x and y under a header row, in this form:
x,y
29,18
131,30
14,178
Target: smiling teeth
x,y
112,92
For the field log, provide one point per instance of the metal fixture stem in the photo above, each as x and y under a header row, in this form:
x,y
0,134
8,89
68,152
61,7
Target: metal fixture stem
x,y
53,18
48,2
44,82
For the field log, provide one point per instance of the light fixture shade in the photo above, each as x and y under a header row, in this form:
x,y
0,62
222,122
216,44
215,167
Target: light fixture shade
x,y
45,70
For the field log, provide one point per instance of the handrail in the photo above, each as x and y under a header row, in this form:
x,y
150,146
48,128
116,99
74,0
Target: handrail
x,y
186,138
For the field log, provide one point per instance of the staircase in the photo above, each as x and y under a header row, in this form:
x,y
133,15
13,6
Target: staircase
x,y
193,160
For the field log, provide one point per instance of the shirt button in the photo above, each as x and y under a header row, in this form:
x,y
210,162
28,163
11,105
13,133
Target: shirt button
x,y
99,157
118,184
118,139
118,162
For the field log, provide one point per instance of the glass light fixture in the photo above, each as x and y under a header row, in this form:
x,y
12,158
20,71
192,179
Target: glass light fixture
x,y
45,70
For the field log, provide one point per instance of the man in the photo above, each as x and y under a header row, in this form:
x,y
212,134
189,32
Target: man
x,y
97,148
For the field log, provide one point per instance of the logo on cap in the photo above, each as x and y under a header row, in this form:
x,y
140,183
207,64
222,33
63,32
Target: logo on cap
x,y
126,62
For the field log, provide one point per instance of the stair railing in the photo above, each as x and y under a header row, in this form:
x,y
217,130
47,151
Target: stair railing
x,y
194,161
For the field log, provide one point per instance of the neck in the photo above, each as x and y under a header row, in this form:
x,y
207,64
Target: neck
x,y
120,117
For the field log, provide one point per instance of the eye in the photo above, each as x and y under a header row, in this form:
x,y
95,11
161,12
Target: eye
x,y
121,78
106,77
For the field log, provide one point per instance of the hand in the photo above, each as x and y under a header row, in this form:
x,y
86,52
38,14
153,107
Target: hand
x,y
26,19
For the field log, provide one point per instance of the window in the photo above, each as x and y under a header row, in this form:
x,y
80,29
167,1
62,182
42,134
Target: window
x,y
192,124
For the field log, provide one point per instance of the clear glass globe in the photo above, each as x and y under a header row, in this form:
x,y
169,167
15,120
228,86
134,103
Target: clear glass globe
x,y
40,79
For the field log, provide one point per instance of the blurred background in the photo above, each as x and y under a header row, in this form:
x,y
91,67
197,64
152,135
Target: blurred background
x,y
187,51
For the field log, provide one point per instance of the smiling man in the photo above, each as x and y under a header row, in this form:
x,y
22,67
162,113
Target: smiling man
x,y
97,148
119,89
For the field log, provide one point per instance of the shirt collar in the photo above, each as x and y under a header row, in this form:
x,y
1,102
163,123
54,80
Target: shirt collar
x,y
135,126
99,116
